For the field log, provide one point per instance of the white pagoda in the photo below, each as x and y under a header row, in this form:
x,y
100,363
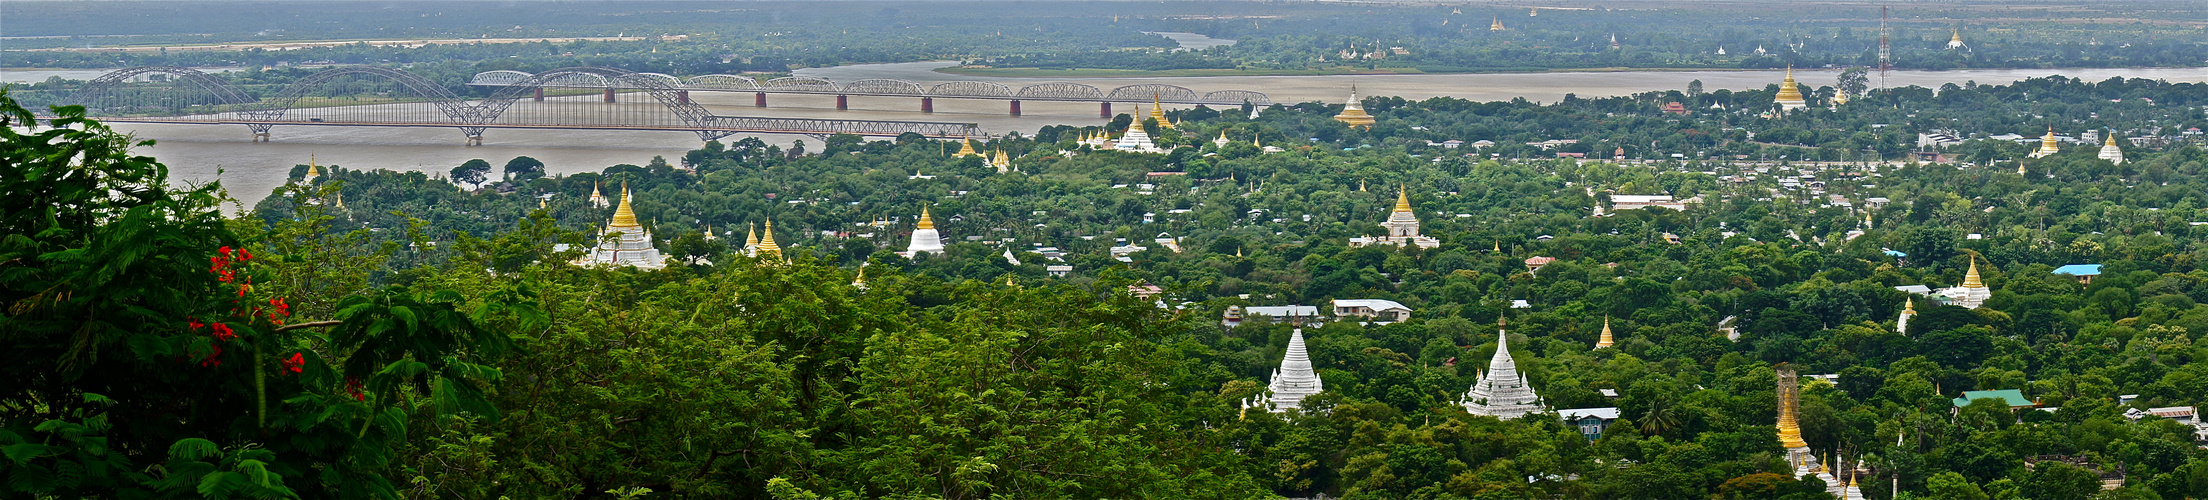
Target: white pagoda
x,y
924,238
1973,293
2110,152
625,242
1135,140
1502,392
1402,227
1292,382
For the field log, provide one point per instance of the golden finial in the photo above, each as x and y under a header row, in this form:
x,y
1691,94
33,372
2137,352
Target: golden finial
x,y
926,222
751,238
625,216
965,148
2111,138
1909,306
314,168
1403,199
1606,340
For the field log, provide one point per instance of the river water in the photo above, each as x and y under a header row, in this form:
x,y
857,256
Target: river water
x,y
196,153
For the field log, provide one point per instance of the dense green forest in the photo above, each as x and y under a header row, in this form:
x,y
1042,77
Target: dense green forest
x,y
394,335
690,39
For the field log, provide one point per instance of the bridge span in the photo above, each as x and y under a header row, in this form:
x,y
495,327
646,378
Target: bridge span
x,y
367,96
927,94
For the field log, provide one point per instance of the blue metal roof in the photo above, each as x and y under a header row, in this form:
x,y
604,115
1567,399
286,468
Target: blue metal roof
x,y
2079,270
1896,253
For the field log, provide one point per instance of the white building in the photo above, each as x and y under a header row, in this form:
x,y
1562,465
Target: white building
x,y
1644,201
1296,315
1375,311
1972,294
1136,140
2110,152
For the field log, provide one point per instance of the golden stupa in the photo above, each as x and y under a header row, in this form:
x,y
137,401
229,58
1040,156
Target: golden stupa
x,y
1157,112
768,250
1353,113
965,149
2047,144
1790,95
1606,340
1790,432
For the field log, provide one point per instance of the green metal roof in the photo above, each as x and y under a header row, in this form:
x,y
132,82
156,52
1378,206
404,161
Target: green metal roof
x,y
2014,397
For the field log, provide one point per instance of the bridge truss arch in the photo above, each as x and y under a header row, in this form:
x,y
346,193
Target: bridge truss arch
x,y
1061,90
1237,97
656,85
1152,91
499,78
803,84
970,89
884,86
458,111
722,82
113,92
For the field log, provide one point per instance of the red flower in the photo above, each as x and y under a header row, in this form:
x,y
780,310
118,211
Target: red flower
x,y
282,307
223,333
196,325
352,385
297,362
242,255
211,361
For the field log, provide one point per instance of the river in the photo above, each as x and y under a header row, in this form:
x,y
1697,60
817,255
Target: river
x,y
250,170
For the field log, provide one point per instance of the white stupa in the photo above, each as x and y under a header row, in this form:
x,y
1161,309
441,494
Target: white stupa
x,y
1136,140
1973,293
2110,152
625,242
924,237
1292,382
1402,227
1502,392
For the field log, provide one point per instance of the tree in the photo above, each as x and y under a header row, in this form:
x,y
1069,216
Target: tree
x,y
521,169
473,172
1952,486
1853,81
2055,480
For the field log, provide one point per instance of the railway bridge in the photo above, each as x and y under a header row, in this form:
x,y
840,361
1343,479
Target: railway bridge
x,y
382,97
926,93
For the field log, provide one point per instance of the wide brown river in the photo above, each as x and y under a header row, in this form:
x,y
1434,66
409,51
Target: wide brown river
x,y
250,170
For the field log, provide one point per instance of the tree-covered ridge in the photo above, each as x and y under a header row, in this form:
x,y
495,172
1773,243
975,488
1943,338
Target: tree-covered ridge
x,y
964,375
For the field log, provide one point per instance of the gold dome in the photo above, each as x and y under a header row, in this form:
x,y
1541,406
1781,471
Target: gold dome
x,y
624,216
1790,94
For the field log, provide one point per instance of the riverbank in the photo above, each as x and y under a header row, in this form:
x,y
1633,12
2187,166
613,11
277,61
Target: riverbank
x,y
1141,73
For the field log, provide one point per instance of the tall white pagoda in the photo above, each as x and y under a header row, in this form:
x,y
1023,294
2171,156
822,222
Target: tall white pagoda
x,y
1973,293
625,242
1136,140
1502,392
1402,227
1292,382
924,238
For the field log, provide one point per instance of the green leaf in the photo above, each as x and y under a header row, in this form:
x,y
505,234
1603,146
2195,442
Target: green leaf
x,y
406,315
22,453
194,449
220,484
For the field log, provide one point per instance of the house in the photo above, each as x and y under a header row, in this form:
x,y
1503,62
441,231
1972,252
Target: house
x,y
1296,315
2084,272
1590,421
1058,271
1379,311
1675,108
2182,414
1534,264
1643,201
2013,397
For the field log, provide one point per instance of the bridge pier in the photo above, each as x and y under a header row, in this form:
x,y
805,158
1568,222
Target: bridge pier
x,y
927,105
1104,110
609,95
682,96
1015,107
759,99
260,137
843,103
540,94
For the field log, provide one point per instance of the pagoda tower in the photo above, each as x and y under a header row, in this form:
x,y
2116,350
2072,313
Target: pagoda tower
x,y
1908,311
924,238
2047,145
314,171
1790,95
1973,293
1002,161
1292,382
769,251
1353,112
965,149
1790,430
1222,140
1957,41
625,242
1502,392
1136,140
751,241
1157,112
1497,25
1606,341
2110,152
597,199
1402,225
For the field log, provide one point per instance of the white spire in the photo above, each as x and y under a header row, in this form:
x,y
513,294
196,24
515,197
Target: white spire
x,y
1502,392
1293,381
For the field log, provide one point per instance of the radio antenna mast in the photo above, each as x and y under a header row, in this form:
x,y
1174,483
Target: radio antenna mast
x,y
1885,48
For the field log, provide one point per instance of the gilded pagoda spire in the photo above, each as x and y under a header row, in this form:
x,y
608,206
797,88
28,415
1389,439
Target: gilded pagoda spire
x,y
926,221
1403,199
1157,112
1789,392
767,247
1790,94
965,148
625,216
751,238
1606,340
1970,278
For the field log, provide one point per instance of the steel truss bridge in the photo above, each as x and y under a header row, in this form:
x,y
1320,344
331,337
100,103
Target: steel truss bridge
x,y
1053,91
380,97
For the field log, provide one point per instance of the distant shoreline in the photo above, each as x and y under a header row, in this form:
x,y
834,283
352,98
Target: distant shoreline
x,y
1137,73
